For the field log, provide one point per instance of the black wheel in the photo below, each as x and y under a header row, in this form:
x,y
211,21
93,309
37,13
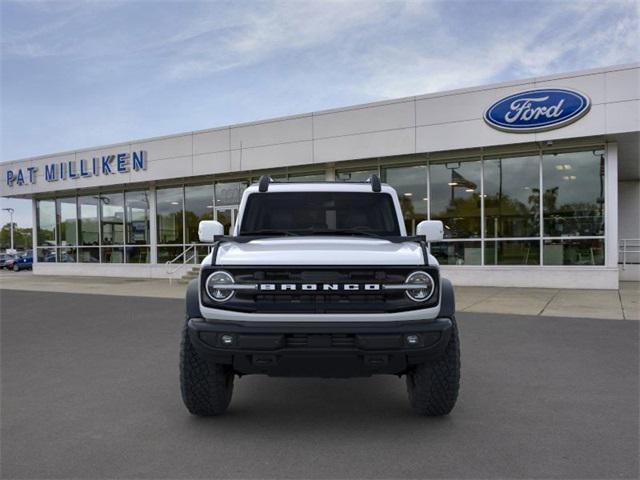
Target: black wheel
x,y
206,387
433,386
16,268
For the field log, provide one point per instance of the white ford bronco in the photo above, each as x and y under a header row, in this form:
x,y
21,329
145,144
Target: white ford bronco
x,y
320,280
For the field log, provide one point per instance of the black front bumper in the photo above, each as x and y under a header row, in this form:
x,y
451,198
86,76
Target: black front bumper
x,y
319,349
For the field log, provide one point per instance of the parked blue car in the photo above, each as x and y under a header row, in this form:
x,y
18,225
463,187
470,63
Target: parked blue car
x,y
23,261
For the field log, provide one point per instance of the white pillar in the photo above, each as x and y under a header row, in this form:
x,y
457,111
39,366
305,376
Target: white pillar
x,y
153,230
330,172
611,205
34,231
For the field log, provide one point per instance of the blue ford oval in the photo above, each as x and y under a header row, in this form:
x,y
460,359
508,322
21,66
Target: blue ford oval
x,y
537,110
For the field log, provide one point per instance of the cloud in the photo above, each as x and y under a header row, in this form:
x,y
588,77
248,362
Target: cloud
x,y
557,39
269,30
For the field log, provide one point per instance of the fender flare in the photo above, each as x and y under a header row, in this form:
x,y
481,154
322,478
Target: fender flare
x,y
448,302
192,299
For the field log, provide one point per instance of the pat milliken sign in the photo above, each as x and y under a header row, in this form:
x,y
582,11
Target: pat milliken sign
x,y
105,165
537,110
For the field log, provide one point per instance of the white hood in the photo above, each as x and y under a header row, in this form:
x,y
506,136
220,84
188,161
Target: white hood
x,y
320,251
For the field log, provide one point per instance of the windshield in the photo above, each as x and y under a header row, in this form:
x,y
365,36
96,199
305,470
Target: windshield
x,y
320,213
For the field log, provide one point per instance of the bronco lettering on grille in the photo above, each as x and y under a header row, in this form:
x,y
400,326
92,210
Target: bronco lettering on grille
x,y
319,286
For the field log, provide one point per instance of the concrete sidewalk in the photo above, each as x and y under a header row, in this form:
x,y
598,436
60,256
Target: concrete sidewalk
x,y
623,304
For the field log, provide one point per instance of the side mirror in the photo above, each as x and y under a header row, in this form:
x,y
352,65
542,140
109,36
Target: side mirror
x,y
209,229
431,229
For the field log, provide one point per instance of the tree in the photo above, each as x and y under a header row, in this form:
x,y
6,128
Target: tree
x,y
22,237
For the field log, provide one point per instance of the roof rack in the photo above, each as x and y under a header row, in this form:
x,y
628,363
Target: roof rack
x,y
263,183
374,180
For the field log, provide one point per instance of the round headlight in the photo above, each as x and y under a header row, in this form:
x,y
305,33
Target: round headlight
x,y
425,286
215,286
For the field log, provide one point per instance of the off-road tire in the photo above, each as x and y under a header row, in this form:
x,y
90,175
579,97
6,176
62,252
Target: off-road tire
x,y
206,387
433,386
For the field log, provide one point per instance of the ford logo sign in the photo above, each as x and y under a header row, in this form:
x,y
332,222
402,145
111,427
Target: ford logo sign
x,y
537,110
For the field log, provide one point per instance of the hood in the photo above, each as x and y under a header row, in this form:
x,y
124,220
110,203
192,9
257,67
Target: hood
x,y
320,251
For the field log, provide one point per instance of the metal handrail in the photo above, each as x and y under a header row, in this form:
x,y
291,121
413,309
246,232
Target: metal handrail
x,y
628,245
186,261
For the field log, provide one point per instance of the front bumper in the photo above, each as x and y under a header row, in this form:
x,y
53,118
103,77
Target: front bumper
x,y
320,350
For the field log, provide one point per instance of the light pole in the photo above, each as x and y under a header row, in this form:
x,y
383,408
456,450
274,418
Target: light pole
x,y
10,210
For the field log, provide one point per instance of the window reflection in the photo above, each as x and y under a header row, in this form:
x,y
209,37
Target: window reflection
x,y
512,252
573,198
47,254
355,175
169,207
166,254
574,252
137,218
308,177
89,254
88,221
512,197
411,185
46,218
455,198
229,193
112,218
112,255
198,206
457,253
66,255
137,254
67,219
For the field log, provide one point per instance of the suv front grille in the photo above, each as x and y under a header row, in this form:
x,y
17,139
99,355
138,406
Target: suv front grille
x,y
322,301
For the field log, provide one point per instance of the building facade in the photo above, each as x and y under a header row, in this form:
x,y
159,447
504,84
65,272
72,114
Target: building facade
x,y
536,181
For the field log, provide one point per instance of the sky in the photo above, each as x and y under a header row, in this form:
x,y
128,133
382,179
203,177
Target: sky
x,y
87,73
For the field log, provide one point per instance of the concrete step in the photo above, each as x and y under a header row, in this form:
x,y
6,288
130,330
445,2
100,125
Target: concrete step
x,y
189,274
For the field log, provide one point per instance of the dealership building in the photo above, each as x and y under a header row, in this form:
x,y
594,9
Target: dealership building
x,y
537,182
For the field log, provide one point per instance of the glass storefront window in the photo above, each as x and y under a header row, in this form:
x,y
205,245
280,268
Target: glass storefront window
x,y
88,220
455,198
512,252
457,253
307,177
574,252
356,175
169,208
67,221
512,197
411,185
88,254
46,217
226,216
47,254
573,198
66,255
198,206
112,218
137,254
111,254
229,193
115,227
137,217
166,254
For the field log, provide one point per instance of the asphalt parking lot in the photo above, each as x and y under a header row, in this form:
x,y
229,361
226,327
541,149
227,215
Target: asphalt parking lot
x,y
90,390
